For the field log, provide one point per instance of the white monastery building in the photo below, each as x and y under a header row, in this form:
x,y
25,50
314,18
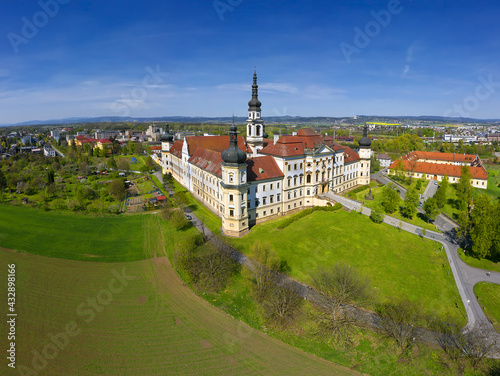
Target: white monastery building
x,y
246,181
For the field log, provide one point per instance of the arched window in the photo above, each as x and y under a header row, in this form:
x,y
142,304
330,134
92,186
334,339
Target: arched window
x,y
309,178
231,177
257,130
249,130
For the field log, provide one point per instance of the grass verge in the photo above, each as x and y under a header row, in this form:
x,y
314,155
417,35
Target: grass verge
x,y
488,295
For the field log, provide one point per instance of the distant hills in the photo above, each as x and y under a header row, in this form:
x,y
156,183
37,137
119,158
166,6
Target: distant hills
x,y
268,119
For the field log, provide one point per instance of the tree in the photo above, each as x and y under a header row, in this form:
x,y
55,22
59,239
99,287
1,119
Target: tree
x,y
400,168
340,286
178,219
111,163
463,221
116,147
104,151
400,320
440,197
149,162
390,198
117,189
495,251
482,222
418,185
50,177
410,204
214,267
123,164
430,208
377,214
374,165
282,302
3,183
474,344
464,189
139,148
262,268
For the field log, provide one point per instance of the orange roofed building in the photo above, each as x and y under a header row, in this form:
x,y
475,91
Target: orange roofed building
x,y
434,166
246,181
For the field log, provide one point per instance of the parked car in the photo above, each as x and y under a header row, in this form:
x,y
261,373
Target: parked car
x,y
188,217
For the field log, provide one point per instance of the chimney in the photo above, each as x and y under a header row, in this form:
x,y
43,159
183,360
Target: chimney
x,y
294,133
276,138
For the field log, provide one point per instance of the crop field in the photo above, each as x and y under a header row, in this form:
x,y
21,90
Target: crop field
x,y
398,264
134,318
85,238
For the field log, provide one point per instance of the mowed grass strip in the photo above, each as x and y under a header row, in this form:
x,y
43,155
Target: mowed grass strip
x,y
489,298
150,324
75,237
399,264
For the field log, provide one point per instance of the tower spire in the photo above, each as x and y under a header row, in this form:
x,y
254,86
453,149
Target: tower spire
x,y
254,104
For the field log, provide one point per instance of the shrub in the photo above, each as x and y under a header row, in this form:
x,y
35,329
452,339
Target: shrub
x,y
294,217
333,208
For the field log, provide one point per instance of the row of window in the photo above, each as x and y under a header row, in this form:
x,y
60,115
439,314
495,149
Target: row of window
x,y
264,187
264,200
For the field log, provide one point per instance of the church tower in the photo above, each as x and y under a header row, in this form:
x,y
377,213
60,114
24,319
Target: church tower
x,y
167,140
255,125
234,184
365,152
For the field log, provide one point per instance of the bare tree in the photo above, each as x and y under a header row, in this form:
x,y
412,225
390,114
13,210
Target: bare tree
x,y
282,302
340,286
215,267
400,320
473,344
262,269
479,342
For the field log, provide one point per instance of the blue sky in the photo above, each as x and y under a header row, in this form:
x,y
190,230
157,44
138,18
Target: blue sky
x,y
196,58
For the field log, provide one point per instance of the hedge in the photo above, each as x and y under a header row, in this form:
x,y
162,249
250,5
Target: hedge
x,y
294,217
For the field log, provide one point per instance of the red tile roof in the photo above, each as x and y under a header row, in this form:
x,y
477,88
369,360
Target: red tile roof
x,y
286,146
441,169
350,155
207,160
155,147
262,168
449,157
104,141
161,198
214,143
176,148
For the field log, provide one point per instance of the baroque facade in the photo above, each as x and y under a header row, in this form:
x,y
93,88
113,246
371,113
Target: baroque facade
x,y
246,181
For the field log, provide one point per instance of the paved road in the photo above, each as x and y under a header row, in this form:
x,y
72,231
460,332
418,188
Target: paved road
x,y
465,276
58,152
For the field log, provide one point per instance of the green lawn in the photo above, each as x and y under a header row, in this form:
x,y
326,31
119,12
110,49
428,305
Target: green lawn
x,y
399,264
489,297
76,237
